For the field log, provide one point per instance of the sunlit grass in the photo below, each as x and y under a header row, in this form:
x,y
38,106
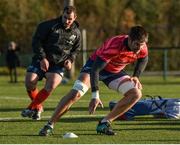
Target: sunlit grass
x,y
142,130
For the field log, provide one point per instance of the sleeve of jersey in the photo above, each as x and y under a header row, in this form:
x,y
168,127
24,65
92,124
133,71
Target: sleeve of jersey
x,y
38,38
144,52
108,51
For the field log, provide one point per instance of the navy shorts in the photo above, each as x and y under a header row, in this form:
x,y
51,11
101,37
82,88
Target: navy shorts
x,y
104,75
35,68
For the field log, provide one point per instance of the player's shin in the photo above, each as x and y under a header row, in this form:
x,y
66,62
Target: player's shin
x,y
64,105
41,97
33,93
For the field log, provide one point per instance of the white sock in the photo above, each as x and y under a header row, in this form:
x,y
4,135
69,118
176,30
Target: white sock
x,y
50,124
105,120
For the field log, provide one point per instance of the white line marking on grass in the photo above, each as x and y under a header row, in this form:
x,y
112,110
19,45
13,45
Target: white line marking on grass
x,y
11,98
47,117
18,98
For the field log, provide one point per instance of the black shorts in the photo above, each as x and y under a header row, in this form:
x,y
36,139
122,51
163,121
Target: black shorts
x,y
35,68
104,75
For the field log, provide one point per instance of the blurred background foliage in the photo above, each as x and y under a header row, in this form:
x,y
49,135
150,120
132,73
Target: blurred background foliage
x,y
100,18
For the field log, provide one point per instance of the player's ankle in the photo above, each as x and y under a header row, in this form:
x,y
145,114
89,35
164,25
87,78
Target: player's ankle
x,y
105,120
50,124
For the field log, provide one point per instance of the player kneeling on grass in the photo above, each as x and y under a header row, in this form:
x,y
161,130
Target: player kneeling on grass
x,y
107,64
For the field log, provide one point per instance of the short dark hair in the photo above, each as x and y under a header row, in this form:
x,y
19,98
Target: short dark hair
x,y
70,9
138,33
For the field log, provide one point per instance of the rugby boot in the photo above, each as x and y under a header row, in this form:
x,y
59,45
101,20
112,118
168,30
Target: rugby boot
x,y
46,130
27,113
105,128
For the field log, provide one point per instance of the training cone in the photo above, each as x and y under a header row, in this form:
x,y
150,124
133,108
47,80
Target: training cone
x,y
70,135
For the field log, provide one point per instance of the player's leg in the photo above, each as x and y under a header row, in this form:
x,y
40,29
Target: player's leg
x,y
123,105
80,87
15,75
11,74
52,81
31,80
131,95
33,75
31,83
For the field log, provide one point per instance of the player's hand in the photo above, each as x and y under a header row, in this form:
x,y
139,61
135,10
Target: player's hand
x,y
44,64
137,82
68,64
93,105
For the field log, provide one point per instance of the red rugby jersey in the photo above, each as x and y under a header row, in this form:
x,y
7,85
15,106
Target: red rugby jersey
x,y
116,54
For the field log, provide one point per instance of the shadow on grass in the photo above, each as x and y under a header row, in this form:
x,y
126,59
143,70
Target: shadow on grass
x,y
27,135
150,129
162,141
54,135
159,123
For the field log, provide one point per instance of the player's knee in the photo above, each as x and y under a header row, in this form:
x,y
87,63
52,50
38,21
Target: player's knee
x,y
50,88
80,87
138,94
30,84
135,93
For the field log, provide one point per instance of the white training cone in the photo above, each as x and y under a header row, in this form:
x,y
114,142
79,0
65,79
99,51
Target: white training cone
x,y
70,135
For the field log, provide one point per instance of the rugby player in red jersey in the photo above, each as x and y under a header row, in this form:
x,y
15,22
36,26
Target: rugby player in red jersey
x,y
106,64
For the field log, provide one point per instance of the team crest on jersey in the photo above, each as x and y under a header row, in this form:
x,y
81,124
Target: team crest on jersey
x,y
71,39
57,31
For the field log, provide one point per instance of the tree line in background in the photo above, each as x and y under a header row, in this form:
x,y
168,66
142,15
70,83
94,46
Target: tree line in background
x,y
101,19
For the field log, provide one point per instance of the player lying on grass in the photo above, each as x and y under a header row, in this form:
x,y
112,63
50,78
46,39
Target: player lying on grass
x,y
107,64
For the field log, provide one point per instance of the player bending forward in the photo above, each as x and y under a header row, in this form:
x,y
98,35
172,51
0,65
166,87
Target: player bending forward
x,y
107,64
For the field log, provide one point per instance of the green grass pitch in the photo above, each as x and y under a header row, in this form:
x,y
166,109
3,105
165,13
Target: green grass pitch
x,y
142,130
